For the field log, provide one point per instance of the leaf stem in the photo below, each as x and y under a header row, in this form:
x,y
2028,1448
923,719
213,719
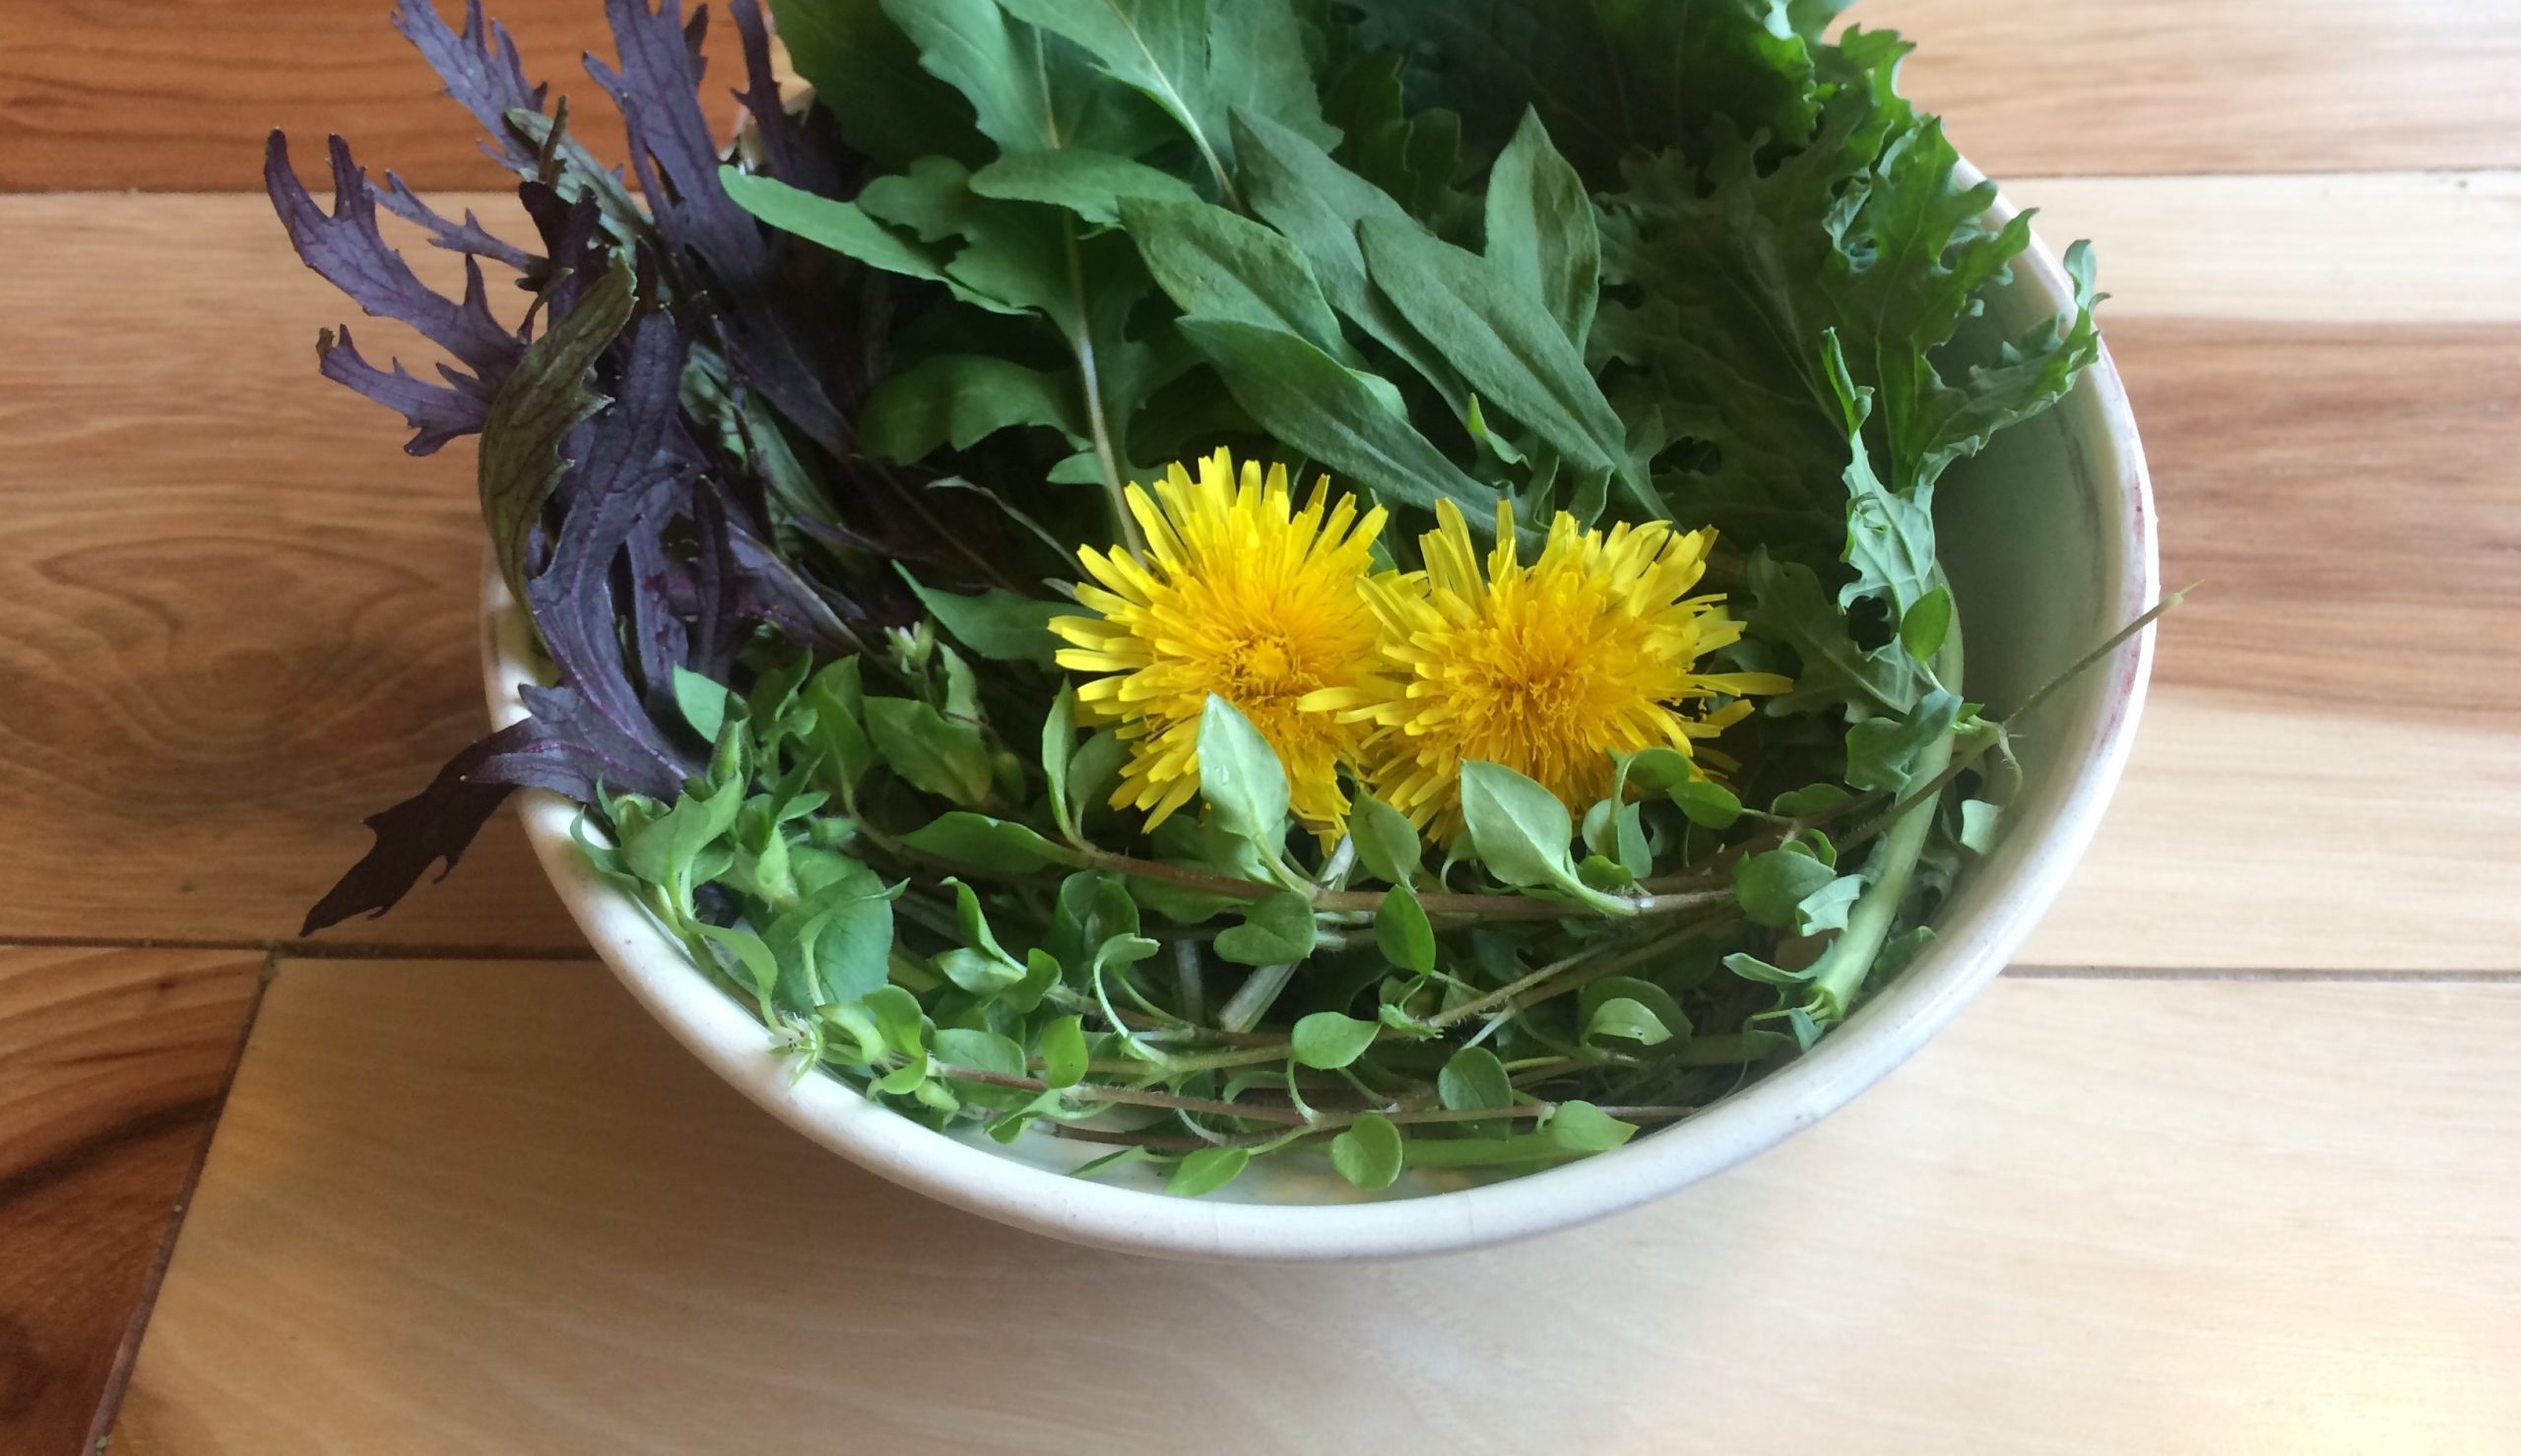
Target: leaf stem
x,y
1080,341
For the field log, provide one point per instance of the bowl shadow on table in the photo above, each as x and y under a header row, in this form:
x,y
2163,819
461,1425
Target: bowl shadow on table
x,y
506,1187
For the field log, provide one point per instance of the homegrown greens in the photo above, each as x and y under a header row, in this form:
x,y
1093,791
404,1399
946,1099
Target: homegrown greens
x,y
791,459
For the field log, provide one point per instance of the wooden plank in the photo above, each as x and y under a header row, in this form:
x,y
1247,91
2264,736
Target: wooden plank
x,y
112,1063
240,619
2326,777
2373,247
2094,1216
2215,85
178,94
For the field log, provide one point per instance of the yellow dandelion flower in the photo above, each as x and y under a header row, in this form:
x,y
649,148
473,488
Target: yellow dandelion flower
x,y
1240,594
1547,669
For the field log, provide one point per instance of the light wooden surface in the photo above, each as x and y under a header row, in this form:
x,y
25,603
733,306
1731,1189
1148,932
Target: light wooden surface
x,y
176,95
2102,1216
474,1205
112,1063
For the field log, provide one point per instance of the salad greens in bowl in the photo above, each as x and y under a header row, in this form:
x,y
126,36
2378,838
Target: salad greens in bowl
x,y
1271,627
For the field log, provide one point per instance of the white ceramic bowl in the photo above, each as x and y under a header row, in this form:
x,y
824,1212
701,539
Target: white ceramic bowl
x,y
2049,538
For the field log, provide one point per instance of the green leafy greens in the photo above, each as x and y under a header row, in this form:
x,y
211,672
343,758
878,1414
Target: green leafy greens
x,y
1434,247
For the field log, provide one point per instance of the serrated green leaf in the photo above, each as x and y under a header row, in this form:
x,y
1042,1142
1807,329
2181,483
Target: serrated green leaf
x,y
1789,607
1369,1153
1770,885
1273,932
1402,933
1826,909
1028,92
1882,750
1206,1171
1540,230
1327,1040
1890,535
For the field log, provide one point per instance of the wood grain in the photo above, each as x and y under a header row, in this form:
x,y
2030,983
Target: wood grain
x,y
2372,247
111,1066
2326,777
178,94
238,617
2215,85
2094,1216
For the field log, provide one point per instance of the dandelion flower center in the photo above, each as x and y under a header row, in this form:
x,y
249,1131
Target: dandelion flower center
x,y
1242,594
1548,667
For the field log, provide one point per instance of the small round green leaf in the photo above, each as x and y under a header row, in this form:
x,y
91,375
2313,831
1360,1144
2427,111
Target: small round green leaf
x,y
1628,1020
1240,778
1326,1040
1385,840
1367,1154
1402,933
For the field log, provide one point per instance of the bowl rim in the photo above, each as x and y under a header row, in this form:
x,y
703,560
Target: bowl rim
x,y
1971,949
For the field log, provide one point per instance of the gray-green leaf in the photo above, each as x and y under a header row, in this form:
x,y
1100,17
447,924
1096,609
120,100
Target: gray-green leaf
x,y
1219,264
1094,185
1542,230
1240,777
1311,402
1504,343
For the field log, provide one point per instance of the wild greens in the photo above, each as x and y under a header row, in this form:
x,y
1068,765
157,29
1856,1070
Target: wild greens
x,y
793,477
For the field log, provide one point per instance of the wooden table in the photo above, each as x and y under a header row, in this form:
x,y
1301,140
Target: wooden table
x,y
2228,1163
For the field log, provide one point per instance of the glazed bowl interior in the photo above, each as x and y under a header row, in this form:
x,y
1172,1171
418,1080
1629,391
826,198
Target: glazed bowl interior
x,y
2047,538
